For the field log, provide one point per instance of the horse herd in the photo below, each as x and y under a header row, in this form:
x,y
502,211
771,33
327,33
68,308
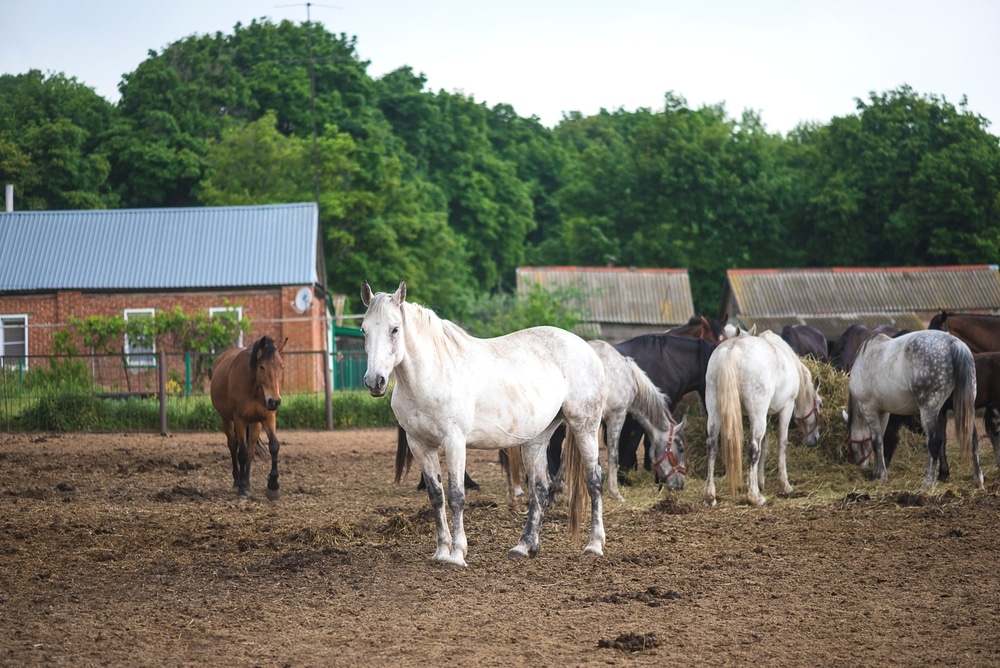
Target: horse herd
x,y
544,397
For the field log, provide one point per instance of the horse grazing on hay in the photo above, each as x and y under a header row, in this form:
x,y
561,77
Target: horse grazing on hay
x,y
806,341
987,398
246,392
631,393
456,391
763,375
980,332
676,365
913,374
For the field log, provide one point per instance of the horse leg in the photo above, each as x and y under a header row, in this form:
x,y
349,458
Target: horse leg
x,y
242,459
934,426
587,457
534,460
756,447
991,423
454,454
430,471
612,429
227,426
273,492
786,487
711,452
876,425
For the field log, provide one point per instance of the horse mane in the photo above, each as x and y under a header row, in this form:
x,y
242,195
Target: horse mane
x,y
445,334
649,400
265,344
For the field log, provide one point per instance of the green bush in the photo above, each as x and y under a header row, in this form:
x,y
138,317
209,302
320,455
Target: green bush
x,y
82,411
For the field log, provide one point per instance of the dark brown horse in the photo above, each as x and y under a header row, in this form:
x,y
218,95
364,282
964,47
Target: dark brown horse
x,y
700,327
806,341
845,348
980,332
246,391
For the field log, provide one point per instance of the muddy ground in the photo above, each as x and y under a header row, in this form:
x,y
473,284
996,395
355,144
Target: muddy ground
x,y
131,550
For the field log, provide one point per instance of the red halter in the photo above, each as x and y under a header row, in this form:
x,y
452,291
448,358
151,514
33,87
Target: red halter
x,y
668,455
802,420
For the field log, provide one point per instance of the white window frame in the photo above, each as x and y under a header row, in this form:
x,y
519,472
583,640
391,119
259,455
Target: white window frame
x,y
4,319
138,356
239,318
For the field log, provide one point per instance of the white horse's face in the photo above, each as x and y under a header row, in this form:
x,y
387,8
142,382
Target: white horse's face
x,y
668,457
384,340
858,439
809,423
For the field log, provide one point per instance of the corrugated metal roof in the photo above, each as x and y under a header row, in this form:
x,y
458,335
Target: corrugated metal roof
x,y
833,299
660,297
138,249
782,292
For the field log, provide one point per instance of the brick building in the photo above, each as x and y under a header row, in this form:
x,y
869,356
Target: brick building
x,y
264,262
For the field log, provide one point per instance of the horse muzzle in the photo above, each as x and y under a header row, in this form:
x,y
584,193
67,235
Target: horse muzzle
x,y
272,404
377,386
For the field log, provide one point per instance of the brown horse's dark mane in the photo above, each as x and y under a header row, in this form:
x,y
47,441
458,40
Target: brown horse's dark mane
x,y
265,346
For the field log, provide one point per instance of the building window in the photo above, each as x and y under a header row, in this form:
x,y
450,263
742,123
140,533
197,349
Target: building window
x,y
140,352
229,310
14,341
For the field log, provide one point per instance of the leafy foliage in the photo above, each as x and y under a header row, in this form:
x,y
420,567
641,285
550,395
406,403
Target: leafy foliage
x,y
452,195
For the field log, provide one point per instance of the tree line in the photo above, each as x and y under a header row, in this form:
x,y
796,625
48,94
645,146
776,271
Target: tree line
x,y
453,195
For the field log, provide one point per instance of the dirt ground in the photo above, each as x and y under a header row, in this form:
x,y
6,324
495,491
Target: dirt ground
x,y
131,550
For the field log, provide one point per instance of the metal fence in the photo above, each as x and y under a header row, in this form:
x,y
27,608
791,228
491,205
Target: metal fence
x,y
130,392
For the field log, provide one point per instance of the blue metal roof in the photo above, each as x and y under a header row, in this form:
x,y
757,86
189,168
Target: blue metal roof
x,y
140,249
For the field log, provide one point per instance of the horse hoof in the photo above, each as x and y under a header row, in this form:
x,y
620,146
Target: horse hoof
x,y
273,494
595,550
518,552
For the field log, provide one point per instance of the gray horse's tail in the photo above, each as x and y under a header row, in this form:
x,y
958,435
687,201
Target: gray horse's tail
x,y
964,396
575,483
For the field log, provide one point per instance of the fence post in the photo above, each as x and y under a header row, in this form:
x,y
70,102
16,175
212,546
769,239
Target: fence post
x,y
162,363
327,382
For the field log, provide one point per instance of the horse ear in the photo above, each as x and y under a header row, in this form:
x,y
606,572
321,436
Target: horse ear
x,y
282,346
725,319
400,295
257,351
366,293
844,414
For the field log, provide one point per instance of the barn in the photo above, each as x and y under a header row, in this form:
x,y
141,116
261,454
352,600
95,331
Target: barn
x,y
263,262
833,299
617,303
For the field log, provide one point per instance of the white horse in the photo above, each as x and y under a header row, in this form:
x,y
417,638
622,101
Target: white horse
x,y
921,373
763,376
456,391
630,391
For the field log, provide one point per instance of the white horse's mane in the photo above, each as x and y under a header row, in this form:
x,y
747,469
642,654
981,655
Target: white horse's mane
x,y
445,334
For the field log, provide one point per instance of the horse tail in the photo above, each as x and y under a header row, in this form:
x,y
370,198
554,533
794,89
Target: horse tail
x,y
403,455
262,450
513,465
964,396
575,484
731,422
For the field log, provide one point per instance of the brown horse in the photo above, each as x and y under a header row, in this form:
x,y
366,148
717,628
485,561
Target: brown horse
x,y
246,391
980,332
700,327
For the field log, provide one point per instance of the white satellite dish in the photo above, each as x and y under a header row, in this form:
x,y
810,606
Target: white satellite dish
x,y
303,300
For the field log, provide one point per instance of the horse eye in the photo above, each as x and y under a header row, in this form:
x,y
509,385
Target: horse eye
x,y
395,331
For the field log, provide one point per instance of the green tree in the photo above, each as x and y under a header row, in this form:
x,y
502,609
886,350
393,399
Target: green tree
x,y
51,131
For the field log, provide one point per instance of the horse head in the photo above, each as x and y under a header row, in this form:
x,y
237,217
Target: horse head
x,y
858,438
267,366
383,330
668,456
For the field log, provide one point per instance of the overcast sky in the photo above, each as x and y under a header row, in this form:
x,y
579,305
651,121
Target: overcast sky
x,y
791,61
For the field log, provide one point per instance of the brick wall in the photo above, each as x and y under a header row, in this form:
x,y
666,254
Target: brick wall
x,y
270,312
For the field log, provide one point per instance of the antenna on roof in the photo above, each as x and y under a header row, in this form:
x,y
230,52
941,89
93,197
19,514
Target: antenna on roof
x,y
312,85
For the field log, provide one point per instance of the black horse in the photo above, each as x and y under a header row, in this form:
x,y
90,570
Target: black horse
x,y
806,341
